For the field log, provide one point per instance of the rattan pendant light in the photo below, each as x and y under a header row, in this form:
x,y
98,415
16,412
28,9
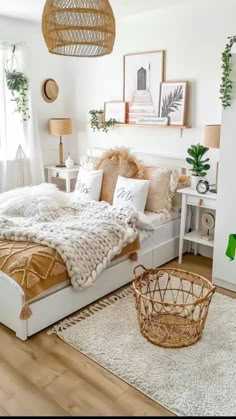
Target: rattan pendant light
x,y
80,28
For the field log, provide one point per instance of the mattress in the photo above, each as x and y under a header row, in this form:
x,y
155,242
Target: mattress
x,y
157,220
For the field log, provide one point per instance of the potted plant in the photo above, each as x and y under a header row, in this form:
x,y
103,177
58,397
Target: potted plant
x,y
97,121
17,83
199,165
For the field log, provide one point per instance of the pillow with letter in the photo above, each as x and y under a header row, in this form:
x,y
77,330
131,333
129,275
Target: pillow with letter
x,y
131,192
88,185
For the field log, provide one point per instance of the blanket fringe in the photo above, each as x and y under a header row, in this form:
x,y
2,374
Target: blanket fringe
x,y
88,312
26,312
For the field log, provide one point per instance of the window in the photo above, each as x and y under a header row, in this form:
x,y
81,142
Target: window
x,y
14,128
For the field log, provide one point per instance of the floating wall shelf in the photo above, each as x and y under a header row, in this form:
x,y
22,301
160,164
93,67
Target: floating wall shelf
x,y
154,126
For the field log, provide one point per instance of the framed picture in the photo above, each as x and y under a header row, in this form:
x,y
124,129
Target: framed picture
x,y
143,74
116,110
173,102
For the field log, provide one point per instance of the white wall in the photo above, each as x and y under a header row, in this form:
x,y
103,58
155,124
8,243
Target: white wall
x,y
224,268
193,35
43,66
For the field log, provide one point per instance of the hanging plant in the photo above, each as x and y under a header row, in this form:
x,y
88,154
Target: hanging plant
x,y
226,82
17,83
97,121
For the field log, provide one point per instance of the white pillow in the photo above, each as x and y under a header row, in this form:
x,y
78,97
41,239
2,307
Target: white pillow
x,y
131,192
88,184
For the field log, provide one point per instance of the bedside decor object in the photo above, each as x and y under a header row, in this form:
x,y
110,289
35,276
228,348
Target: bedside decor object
x,y
97,121
80,28
212,140
18,84
199,166
172,305
208,221
173,102
143,74
50,90
69,162
116,110
203,186
60,126
226,86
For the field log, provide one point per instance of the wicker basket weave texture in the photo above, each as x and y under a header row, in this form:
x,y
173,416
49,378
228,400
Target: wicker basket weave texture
x,y
172,305
82,28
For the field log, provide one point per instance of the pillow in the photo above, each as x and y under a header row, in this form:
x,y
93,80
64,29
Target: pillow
x,y
163,184
117,162
131,192
88,184
183,182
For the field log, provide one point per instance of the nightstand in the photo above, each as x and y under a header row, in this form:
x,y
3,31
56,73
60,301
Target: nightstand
x,y
62,173
190,197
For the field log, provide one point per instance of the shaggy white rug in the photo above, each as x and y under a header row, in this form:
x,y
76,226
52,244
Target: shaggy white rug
x,y
199,380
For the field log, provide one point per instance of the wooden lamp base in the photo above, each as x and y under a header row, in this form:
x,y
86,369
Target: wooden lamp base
x,y
61,164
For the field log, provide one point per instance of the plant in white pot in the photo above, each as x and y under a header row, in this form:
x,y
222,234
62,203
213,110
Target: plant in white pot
x,y
198,162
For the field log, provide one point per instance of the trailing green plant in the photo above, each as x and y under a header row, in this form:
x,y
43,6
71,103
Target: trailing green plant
x,y
199,166
17,83
226,86
172,102
97,121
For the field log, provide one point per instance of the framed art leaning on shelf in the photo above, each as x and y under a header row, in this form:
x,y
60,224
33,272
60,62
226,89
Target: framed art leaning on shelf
x,y
143,74
173,102
116,110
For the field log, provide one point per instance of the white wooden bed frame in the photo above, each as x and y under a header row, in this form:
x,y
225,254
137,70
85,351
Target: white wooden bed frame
x,y
160,248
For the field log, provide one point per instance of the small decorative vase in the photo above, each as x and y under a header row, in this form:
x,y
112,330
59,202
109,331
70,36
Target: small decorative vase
x,y
194,181
69,162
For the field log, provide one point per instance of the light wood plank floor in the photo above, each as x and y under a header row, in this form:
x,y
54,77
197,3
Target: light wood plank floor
x,y
45,376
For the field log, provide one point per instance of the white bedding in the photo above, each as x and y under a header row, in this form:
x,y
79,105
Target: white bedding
x,y
157,221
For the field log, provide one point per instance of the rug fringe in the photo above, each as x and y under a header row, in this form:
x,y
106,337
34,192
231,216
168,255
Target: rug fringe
x,y
89,311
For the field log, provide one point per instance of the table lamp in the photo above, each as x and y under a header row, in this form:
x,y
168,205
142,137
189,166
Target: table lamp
x,y
212,140
60,126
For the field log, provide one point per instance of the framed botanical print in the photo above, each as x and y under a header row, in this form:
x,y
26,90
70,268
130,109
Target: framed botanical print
x,y
173,101
143,74
116,110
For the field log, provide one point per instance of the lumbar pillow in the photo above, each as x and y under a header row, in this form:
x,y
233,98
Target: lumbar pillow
x,y
131,192
163,184
88,185
88,162
114,163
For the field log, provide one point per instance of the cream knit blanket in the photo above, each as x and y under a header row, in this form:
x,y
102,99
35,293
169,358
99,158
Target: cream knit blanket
x,y
86,235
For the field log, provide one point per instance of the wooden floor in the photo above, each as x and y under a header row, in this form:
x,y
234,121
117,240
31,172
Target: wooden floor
x,y
45,376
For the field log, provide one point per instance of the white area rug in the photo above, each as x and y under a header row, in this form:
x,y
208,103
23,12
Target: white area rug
x,y
199,380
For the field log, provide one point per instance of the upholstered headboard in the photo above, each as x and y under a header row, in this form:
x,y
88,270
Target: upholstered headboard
x,y
172,162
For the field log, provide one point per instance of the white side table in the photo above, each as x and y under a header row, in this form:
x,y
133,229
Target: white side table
x,y
62,173
197,200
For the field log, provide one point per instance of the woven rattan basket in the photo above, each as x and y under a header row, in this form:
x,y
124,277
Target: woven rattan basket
x,y
172,305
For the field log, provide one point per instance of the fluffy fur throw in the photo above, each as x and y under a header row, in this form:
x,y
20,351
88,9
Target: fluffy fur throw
x,y
86,235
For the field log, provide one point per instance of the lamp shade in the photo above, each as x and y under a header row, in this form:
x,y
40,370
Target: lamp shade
x,y
79,28
60,126
212,136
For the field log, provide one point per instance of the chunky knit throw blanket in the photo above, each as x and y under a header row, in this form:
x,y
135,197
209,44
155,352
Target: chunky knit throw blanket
x,y
86,235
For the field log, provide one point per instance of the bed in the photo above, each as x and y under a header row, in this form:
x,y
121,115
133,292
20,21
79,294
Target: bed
x,y
61,301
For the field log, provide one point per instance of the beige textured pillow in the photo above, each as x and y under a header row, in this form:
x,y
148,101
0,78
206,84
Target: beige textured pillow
x,y
183,182
163,183
114,163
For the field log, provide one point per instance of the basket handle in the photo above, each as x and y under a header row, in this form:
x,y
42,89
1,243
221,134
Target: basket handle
x,y
137,267
212,291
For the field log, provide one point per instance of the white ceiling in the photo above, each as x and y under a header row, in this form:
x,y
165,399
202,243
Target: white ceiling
x,y
32,9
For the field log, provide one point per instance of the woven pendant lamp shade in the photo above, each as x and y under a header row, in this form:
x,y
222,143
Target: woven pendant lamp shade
x,y
81,28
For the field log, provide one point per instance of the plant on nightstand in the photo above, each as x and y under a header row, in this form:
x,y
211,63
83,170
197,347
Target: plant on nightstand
x,y
199,165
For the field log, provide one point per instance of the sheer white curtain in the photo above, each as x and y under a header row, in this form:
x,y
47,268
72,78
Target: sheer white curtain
x,y
20,152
